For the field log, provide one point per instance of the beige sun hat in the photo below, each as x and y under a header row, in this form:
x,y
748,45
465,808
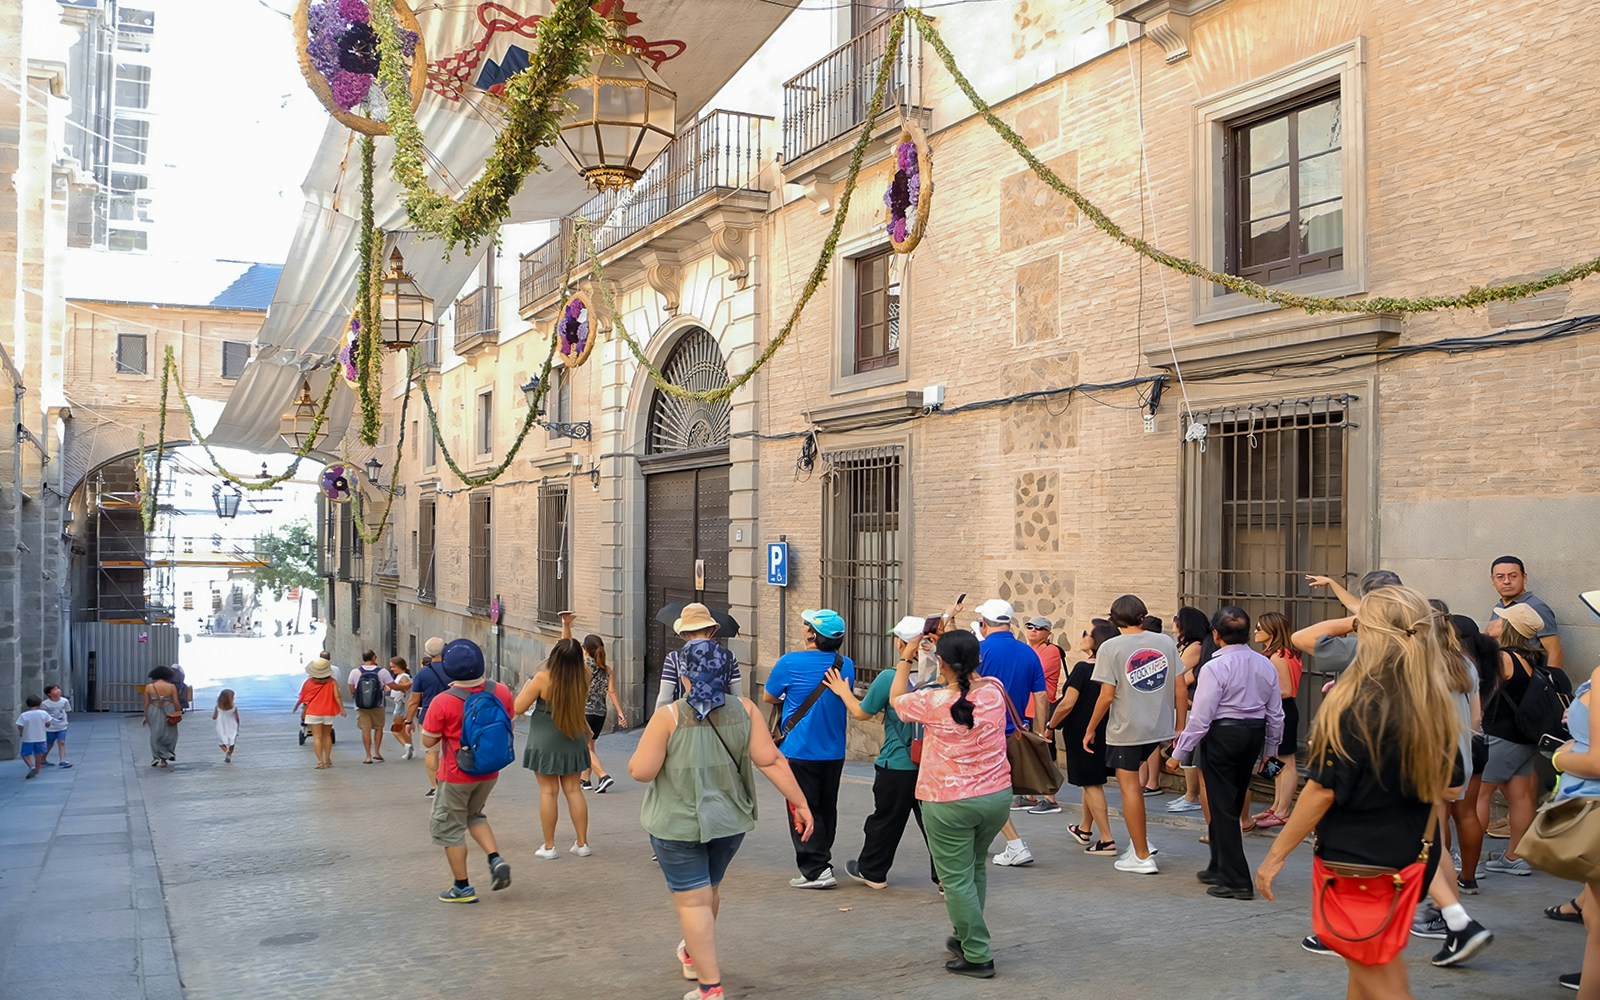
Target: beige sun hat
x,y
319,669
694,618
1521,618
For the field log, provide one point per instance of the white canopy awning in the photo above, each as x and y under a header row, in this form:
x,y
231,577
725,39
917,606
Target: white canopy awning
x,y
698,44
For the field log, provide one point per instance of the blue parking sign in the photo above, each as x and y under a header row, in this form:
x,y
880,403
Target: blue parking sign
x,y
778,564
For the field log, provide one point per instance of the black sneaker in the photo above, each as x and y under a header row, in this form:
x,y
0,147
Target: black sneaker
x,y
429,793
499,874
1570,980
1467,886
1463,944
604,784
852,869
586,785
1314,944
977,970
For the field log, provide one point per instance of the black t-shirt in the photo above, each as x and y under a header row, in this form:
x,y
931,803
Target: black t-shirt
x,y
1373,821
1081,679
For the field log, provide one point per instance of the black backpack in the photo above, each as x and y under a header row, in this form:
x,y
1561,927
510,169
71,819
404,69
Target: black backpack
x,y
1541,710
369,689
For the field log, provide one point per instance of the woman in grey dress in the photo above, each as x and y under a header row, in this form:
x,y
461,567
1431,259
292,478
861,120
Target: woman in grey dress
x,y
160,705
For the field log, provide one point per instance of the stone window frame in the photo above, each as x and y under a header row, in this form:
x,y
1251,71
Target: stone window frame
x,y
483,421
842,374
1214,116
124,367
553,551
230,352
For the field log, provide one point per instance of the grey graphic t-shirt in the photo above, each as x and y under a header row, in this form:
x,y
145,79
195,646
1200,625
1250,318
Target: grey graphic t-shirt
x,y
1142,666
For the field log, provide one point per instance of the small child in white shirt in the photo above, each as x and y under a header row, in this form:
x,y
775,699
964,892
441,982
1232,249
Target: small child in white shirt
x,y
31,727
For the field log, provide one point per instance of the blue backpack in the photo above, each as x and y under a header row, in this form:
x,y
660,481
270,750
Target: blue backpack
x,y
488,742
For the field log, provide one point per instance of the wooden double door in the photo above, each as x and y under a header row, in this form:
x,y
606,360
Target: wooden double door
x,y
686,523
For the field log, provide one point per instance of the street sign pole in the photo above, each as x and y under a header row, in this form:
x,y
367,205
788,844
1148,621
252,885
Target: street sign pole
x,y
783,608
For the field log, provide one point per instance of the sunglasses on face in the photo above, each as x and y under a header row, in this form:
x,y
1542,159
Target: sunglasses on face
x,y
1037,628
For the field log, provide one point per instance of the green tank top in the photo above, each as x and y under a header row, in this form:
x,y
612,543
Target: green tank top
x,y
701,792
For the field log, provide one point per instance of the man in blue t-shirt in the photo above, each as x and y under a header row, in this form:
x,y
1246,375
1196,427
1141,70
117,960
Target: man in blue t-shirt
x,y
1016,666
429,682
815,740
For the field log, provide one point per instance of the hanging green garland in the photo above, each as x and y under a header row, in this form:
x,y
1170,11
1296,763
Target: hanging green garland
x,y
819,273
516,446
1469,299
368,366
534,107
371,536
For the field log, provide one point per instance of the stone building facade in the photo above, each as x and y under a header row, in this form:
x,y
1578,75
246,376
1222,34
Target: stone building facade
x,y
1278,443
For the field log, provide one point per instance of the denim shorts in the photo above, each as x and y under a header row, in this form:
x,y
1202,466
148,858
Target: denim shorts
x,y
54,736
40,749
689,865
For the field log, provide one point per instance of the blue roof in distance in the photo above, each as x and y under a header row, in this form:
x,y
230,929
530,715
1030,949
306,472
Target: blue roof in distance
x,y
251,290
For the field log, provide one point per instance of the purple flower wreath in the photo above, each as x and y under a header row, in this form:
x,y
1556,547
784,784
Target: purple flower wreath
x,y
335,483
344,48
347,353
904,194
572,333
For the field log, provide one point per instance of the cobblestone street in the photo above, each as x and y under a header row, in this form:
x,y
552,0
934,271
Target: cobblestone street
x,y
281,881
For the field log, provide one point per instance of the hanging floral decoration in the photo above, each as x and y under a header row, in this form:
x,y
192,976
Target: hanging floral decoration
x,y
338,481
348,353
910,190
575,331
339,56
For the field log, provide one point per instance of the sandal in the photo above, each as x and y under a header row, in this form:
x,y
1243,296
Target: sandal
x,y
378,757
1268,819
1205,840
1557,912
1246,825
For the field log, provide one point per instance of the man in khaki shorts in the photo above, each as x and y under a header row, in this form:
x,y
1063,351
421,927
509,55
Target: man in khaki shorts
x,y
368,689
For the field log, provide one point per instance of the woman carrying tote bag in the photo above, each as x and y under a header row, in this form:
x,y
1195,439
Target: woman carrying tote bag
x,y
1564,838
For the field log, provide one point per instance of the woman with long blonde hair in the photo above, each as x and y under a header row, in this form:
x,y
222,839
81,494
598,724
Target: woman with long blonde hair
x,y
1383,757
558,739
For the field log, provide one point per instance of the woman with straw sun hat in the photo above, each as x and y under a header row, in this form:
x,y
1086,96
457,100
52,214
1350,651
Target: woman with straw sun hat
x,y
320,695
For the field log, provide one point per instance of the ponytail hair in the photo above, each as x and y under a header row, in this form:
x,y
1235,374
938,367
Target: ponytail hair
x,y
959,650
595,648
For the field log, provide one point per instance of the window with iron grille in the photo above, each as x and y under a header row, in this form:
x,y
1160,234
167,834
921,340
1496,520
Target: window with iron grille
x,y
330,592
235,354
426,511
1285,205
1265,503
391,616
188,600
132,86
132,354
130,141
877,312
478,557
555,568
430,447
862,564
347,532
355,607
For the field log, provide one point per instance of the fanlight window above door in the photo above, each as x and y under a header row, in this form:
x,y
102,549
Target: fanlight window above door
x,y
683,424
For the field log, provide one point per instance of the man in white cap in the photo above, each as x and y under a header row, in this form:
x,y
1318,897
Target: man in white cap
x,y
894,785
1016,666
429,683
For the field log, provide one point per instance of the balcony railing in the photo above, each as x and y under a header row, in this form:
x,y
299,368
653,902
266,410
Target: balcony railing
x,y
722,151
831,98
475,320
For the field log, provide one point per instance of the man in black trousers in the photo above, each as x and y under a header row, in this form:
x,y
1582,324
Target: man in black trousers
x,y
1237,711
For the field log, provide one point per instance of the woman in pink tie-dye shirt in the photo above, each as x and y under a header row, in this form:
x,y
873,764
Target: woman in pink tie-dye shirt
x,y
964,785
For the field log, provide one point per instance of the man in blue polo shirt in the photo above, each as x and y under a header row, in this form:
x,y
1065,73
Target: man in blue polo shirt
x,y
429,682
815,740
1015,665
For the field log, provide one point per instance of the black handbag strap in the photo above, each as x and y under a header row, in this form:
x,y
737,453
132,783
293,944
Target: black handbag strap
x,y
784,729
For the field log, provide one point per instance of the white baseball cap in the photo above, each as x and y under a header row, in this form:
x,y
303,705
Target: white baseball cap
x,y
995,610
908,629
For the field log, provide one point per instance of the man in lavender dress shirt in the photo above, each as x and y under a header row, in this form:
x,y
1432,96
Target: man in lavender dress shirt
x,y
1237,711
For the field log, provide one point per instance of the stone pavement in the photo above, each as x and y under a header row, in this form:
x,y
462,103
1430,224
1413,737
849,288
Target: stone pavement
x,y
281,881
79,896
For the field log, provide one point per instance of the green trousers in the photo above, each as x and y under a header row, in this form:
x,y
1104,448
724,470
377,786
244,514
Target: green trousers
x,y
959,834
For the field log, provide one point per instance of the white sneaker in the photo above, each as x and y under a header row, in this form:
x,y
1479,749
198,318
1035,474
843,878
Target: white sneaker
x,y
1014,857
547,854
823,881
411,750
582,850
1131,862
1182,805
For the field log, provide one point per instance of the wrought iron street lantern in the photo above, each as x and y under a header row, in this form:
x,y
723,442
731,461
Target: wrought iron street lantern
x,y
581,430
226,500
296,428
374,468
406,311
623,114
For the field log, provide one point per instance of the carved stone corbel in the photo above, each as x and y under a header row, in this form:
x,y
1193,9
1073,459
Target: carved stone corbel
x,y
663,270
733,235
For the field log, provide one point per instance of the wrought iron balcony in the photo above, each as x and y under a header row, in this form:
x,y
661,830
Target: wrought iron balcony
x,y
476,325
830,99
722,151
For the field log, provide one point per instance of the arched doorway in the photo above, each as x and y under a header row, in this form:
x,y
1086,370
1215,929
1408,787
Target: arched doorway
x,y
686,495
